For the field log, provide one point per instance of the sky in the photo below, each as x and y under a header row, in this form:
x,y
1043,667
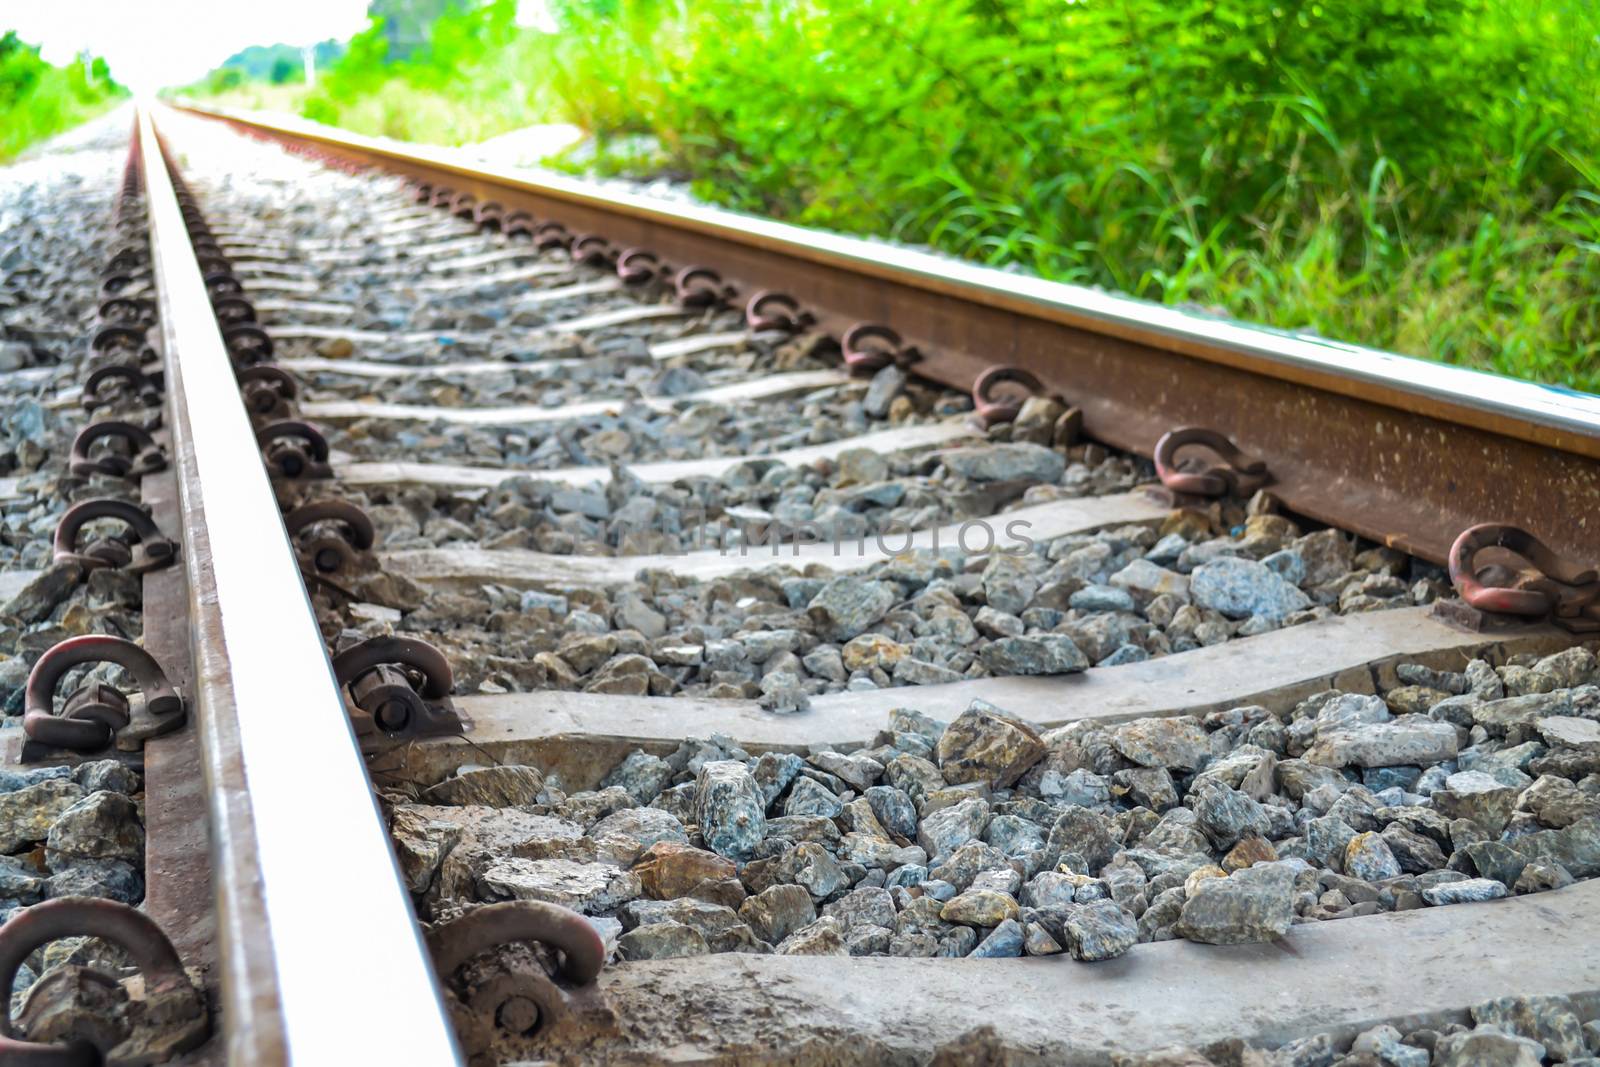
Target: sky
x,y
153,43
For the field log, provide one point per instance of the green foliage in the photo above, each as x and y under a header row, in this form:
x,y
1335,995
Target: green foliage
x,y
38,100
1413,176
475,76
1421,177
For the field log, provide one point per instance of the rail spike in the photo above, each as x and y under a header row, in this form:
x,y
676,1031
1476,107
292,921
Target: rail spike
x,y
169,1018
294,450
95,715
141,550
522,1003
397,689
1236,475
147,455
328,534
868,347
1550,586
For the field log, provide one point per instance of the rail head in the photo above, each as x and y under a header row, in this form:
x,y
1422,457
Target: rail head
x,y
1541,414
317,933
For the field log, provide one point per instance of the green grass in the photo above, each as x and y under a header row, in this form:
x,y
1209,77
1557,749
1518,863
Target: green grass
x,y
1418,177
38,100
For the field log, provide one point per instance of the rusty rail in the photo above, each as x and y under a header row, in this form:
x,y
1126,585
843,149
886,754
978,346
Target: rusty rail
x,y
311,910
1406,452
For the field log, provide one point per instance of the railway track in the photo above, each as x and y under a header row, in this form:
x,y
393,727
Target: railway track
x,y
737,644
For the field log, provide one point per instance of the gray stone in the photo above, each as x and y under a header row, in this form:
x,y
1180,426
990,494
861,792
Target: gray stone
x,y
1033,654
1004,941
642,827
1006,462
1145,579
642,775
813,867
894,810
1100,930
943,831
39,597
847,606
588,888
114,879
1254,904
887,384
1240,588
1367,857
825,937
1487,1047
1226,815
1403,743
497,787
1477,796
1549,1020
719,924
107,774
660,941
1102,598
1464,892
1178,742
26,814
776,912
810,797
985,744
101,826
729,809
1573,732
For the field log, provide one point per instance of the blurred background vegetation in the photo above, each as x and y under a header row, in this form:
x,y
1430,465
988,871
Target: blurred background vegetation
x,y
38,100
1419,177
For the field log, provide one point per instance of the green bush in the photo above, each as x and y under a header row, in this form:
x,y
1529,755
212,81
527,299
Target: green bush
x,y
1413,176
1421,177
38,100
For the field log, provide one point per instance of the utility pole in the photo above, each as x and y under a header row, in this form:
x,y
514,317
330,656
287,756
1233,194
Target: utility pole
x,y
308,55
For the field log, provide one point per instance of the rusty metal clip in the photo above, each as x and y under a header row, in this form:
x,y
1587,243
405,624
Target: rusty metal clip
x,y
462,205
398,689
1566,592
441,196
294,449
112,284
147,455
247,343
327,552
421,191
490,216
518,224
1237,475
117,335
127,310
223,285
232,310
141,386
701,287
520,1003
592,250
635,266
170,1018
869,358
769,309
139,551
992,410
267,390
549,236
91,718
128,257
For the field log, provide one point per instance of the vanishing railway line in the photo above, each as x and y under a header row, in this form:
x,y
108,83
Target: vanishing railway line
x,y
738,644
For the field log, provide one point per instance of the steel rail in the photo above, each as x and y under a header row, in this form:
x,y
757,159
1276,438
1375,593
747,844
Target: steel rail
x,y
320,950
1404,451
